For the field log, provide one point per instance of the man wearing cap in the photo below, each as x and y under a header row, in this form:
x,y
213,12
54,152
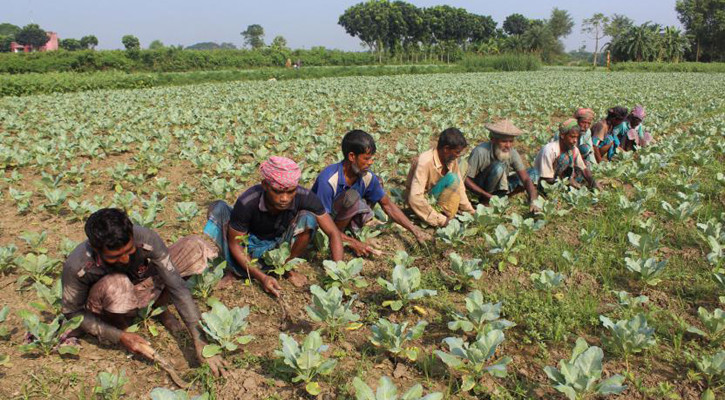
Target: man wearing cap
x,y
495,168
266,215
349,188
561,159
435,174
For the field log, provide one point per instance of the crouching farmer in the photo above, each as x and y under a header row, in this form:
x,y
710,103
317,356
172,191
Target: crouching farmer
x,y
495,168
349,189
124,267
561,159
266,215
436,174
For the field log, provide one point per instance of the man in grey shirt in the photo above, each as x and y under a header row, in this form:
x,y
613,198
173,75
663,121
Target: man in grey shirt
x,y
123,267
495,168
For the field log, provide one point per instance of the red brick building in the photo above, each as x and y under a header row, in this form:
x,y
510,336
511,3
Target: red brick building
x,y
52,45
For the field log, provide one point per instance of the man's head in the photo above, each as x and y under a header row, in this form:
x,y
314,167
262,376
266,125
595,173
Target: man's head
x,y
584,117
616,115
451,145
502,134
569,134
280,177
358,149
110,233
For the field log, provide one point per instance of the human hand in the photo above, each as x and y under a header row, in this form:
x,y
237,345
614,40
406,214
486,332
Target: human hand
x,y
271,286
216,364
136,344
534,209
421,236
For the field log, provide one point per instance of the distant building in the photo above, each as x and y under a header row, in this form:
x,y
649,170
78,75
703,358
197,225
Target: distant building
x,y
52,45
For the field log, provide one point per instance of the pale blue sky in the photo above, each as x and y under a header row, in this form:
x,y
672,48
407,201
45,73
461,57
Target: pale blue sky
x,y
302,23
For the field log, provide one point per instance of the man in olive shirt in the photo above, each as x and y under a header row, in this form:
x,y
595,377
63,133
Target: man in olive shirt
x,y
123,267
495,168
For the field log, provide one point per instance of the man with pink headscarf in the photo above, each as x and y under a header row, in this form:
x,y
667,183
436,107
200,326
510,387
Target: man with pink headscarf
x,y
273,212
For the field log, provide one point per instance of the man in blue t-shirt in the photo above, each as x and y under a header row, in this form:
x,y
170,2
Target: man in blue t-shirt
x,y
349,189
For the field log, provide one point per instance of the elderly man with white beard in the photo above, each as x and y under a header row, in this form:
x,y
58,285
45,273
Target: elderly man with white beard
x,y
496,169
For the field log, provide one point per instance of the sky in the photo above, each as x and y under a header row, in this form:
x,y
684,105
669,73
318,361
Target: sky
x,y
303,23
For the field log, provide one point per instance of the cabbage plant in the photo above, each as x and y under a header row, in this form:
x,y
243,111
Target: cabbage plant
x,y
404,285
387,391
682,212
345,275
624,299
224,327
581,375
455,232
465,271
503,242
3,316
547,279
392,337
201,285
329,308
279,260
305,361
474,359
168,394
37,268
714,324
480,317
647,270
109,386
51,297
7,258
47,338
629,336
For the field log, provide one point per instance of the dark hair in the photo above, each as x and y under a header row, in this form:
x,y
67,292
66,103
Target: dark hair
x,y
357,142
109,229
617,113
453,138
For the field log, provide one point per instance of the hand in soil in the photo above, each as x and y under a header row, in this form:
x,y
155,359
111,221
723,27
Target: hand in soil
x,y
134,343
422,236
216,364
271,286
296,279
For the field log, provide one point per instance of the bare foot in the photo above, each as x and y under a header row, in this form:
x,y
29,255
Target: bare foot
x,y
296,279
227,280
169,321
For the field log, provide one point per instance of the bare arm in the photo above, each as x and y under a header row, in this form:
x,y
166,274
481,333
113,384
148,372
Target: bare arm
x,y
396,214
328,226
528,185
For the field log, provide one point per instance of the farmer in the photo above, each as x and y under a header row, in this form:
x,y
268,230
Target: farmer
x,y
273,212
584,118
605,142
495,168
562,159
124,267
631,131
349,189
435,173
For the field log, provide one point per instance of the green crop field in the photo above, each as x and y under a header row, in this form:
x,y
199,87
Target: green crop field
x,y
633,270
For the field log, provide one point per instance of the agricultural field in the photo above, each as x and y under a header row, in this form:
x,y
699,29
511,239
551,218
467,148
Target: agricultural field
x,y
511,302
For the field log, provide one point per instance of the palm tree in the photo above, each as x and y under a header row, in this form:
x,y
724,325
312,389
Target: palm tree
x,y
674,44
640,42
537,38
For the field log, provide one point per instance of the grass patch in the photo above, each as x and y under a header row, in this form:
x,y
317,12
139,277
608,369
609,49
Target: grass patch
x,y
669,67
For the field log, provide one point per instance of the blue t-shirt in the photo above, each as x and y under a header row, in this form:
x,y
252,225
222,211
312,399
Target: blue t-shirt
x,y
367,186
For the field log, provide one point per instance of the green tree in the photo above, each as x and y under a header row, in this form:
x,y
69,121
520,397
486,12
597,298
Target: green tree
x,y
640,43
5,41
560,23
279,43
538,38
70,44
32,35
156,45
228,46
515,24
595,27
7,29
705,20
131,42
89,42
254,36
673,44
618,25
